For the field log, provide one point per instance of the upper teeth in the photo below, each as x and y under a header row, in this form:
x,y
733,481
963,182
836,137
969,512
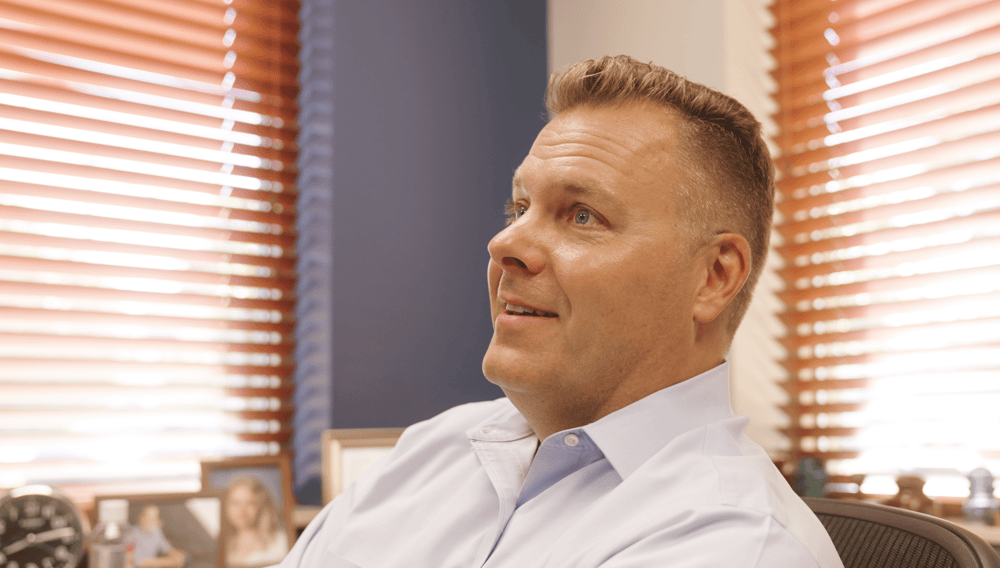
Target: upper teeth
x,y
524,310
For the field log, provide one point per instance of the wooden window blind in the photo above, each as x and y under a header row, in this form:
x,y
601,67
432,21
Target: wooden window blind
x,y
147,243
889,205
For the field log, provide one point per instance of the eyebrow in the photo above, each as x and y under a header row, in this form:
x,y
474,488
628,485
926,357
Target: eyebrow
x,y
517,182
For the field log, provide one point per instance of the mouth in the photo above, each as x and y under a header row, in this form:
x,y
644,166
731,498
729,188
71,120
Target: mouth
x,y
516,310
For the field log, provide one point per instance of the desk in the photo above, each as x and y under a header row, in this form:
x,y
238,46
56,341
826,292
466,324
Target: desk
x,y
990,534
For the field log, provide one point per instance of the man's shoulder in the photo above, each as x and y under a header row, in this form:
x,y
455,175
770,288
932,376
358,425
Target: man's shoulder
x,y
717,476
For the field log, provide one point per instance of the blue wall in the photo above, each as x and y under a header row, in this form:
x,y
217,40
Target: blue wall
x,y
414,116
402,184
435,104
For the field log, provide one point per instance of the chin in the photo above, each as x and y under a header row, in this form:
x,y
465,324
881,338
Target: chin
x,y
506,369
498,365
492,368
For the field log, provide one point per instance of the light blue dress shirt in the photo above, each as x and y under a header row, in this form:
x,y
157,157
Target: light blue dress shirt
x,y
670,480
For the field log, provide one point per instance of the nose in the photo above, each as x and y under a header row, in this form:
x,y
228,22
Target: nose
x,y
517,248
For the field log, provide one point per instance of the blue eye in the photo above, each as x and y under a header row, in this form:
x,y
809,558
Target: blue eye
x,y
514,211
582,217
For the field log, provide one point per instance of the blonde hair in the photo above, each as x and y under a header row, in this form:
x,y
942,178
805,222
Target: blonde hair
x,y
726,165
268,521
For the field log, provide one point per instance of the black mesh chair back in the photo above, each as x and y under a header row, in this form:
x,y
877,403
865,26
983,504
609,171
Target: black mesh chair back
x,y
867,535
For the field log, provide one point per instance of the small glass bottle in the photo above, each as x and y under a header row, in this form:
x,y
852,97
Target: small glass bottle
x,y
108,546
980,506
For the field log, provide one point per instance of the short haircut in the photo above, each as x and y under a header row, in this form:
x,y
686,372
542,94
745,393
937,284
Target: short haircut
x,y
724,159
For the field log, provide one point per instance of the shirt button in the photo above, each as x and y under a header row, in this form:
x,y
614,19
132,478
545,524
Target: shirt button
x,y
571,440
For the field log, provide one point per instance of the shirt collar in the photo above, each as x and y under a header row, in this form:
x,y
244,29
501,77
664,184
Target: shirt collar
x,y
630,436
504,425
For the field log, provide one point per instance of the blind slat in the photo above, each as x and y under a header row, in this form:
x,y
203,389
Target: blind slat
x,y
965,119
906,27
811,129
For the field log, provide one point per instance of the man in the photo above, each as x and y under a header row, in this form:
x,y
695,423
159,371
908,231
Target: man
x,y
638,223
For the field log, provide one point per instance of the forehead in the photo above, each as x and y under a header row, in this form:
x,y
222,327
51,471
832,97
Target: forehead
x,y
589,148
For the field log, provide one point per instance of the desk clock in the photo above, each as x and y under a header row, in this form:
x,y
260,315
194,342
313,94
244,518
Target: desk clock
x,y
40,528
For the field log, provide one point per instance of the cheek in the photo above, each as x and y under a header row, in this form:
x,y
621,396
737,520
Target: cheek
x,y
586,273
627,289
593,286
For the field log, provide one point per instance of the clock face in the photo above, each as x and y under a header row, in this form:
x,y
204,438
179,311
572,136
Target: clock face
x,y
39,528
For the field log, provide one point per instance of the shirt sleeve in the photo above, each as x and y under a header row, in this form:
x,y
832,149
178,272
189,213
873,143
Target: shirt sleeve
x,y
724,536
161,544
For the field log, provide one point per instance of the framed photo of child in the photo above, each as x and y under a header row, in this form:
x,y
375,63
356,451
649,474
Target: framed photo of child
x,y
257,504
179,530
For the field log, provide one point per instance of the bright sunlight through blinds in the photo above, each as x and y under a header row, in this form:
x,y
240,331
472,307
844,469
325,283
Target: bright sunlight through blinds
x,y
147,204
890,199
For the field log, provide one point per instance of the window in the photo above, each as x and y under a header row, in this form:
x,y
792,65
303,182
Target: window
x,y
147,245
889,198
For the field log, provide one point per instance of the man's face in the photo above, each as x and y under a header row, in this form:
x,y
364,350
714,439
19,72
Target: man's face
x,y
598,245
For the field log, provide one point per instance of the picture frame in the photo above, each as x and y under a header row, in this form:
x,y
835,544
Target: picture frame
x,y
348,452
184,530
257,505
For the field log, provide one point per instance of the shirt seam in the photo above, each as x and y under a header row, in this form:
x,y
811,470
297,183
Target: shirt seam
x,y
720,478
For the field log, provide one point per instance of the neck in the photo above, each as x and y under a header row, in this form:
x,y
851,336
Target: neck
x,y
557,407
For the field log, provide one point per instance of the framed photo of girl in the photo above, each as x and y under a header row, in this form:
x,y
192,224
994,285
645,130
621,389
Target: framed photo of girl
x,y
257,504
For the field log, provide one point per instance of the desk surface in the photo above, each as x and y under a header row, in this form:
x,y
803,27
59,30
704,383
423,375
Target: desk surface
x,y
990,534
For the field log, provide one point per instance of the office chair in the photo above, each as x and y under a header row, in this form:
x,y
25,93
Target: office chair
x,y
867,535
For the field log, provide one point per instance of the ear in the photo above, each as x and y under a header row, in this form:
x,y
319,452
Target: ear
x,y
727,260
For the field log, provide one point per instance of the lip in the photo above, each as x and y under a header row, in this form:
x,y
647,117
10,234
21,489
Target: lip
x,y
511,322
503,314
